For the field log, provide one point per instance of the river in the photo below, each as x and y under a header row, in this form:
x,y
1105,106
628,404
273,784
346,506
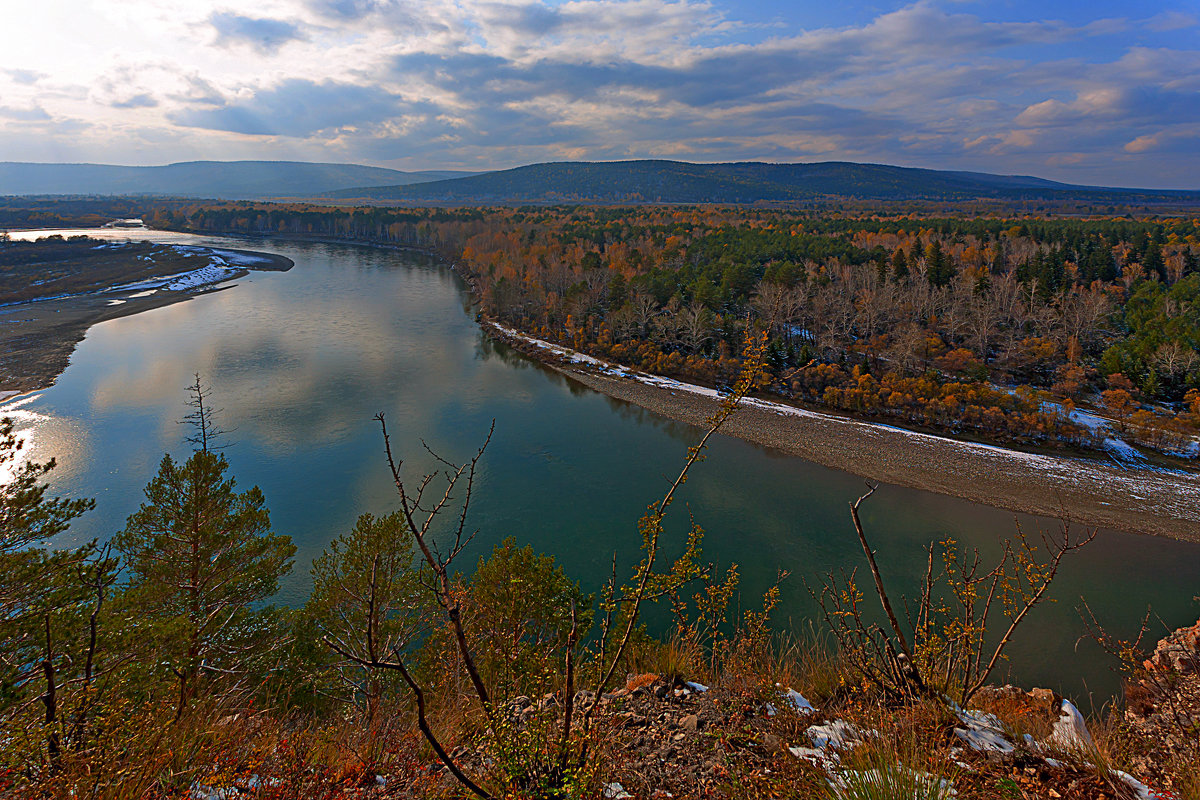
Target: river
x,y
299,362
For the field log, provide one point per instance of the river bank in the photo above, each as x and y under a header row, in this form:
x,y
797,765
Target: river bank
x,y
1084,491
39,333
1144,500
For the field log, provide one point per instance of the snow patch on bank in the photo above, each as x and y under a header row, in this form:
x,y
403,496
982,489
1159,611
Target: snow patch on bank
x,y
216,271
1138,482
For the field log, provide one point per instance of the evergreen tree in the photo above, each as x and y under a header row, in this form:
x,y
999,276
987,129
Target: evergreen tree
x,y
1152,261
899,265
26,514
198,555
939,267
55,645
1191,264
1000,259
42,593
520,608
881,266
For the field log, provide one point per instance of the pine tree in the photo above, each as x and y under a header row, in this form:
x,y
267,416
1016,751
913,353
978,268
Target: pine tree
x,y
999,259
939,268
42,592
881,266
26,514
1191,264
198,555
899,265
1152,260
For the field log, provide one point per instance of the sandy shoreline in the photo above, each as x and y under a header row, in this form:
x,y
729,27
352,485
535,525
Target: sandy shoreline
x,y
1165,503
38,337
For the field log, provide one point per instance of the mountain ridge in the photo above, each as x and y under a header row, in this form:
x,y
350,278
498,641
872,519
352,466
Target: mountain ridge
x,y
225,180
628,181
744,182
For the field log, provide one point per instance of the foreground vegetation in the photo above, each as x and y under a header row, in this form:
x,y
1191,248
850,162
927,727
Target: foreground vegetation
x,y
152,666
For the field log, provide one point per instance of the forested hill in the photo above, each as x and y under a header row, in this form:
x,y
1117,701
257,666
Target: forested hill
x,y
224,180
741,183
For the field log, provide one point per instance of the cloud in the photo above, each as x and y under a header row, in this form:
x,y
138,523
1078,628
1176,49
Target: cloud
x,y
1125,104
25,77
264,35
33,114
1141,144
531,19
199,91
297,108
1177,140
141,100
494,83
1171,21
347,9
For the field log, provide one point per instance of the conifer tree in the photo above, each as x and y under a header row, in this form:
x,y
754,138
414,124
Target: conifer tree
x,y
199,555
26,514
899,265
42,596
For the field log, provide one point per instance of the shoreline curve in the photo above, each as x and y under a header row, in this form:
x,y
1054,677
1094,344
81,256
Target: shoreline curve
x,y
1081,491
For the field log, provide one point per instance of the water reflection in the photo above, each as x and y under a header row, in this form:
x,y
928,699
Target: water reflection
x,y
301,361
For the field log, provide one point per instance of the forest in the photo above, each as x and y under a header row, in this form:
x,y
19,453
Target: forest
x,y
995,328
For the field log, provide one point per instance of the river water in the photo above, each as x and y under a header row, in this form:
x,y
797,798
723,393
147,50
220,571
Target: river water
x,y
299,362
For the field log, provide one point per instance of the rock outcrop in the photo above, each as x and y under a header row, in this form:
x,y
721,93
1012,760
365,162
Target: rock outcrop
x,y
1162,700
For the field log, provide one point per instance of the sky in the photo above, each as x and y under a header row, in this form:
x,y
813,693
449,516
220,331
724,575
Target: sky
x,y
1100,92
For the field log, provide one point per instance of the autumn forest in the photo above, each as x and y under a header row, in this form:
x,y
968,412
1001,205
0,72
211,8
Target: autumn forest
x,y
990,327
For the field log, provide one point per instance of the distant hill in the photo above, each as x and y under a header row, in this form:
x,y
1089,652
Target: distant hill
x,y
743,182
225,180
645,181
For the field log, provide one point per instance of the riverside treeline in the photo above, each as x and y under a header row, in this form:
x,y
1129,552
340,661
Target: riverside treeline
x,y
967,325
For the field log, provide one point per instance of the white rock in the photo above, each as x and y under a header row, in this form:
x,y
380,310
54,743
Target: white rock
x,y
983,733
838,734
799,702
1070,730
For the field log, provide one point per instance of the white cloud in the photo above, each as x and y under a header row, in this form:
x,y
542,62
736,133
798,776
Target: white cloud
x,y
1172,21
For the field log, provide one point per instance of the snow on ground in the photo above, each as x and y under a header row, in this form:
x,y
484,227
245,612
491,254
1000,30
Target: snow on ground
x,y
37,300
1065,470
215,271
1070,730
234,257
229,256
1099,427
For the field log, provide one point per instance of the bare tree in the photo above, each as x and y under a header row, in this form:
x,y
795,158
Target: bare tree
x,y
448,492
205,431
949,645
696,327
